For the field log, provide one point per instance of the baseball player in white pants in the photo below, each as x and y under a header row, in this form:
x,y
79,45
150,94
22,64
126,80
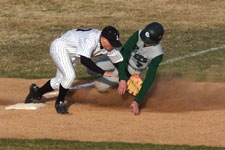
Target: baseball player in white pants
x,y
67,50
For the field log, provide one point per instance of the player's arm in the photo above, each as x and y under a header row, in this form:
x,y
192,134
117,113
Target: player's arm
x,y
92,66
126,51
150,77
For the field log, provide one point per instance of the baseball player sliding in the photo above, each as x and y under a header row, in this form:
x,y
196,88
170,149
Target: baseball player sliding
x,y
67,50
142,50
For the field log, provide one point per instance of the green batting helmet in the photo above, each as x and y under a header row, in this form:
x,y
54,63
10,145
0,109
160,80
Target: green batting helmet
x,y
152,33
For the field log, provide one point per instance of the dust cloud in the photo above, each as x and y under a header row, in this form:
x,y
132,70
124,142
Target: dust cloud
x,y
167,94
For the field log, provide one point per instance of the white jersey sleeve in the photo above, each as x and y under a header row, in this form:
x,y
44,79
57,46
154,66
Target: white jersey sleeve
x,y
115,56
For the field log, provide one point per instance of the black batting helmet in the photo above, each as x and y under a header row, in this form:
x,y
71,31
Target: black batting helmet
x,y
152,33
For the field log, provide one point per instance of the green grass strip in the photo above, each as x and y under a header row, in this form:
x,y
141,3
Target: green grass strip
x,y
48,144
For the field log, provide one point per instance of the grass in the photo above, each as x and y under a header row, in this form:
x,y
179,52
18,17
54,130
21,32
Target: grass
x,y
29,27
47,144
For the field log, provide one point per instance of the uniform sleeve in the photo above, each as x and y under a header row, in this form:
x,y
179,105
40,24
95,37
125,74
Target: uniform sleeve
x,y
115,56
150,77
91,65
126,51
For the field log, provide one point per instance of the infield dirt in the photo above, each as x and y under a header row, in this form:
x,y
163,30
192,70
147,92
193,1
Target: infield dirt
x,y
174,112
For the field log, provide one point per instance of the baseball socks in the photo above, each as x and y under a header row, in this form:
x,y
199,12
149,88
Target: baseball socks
x,y
36,93
44,89
59,104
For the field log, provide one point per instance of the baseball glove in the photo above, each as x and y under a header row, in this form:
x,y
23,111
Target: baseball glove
x,y
134,84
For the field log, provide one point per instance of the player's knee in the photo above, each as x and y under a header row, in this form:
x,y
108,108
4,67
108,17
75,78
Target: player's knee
x,y
103,86
55,82
68,80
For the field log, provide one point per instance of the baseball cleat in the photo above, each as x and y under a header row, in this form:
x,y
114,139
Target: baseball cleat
x,y
32,96
61,108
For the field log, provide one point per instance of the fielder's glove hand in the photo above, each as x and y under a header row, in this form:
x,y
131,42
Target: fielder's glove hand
x,y
134,84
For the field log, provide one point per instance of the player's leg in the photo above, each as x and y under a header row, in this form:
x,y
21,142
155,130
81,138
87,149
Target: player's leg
x,y
103,83
50,85
36,93
65,66
32,95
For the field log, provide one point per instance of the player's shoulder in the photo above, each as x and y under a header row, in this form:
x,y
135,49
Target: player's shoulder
x,y
92,32
156,49
96,31
89,34
84,31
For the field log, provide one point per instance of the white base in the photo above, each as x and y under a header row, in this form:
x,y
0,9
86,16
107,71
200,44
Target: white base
x,y
30,106
34,106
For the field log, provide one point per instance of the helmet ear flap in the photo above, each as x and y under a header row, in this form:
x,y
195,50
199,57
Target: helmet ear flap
x,y
159,39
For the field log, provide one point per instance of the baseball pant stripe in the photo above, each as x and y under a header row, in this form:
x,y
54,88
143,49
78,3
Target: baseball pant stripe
x,y
65,73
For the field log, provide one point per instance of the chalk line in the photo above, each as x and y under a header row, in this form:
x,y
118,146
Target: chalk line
x,y
192,55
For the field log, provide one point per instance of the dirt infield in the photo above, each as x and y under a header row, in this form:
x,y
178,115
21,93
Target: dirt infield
x,y
174,112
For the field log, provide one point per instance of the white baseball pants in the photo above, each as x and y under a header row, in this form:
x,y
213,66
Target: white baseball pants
x,y
65,65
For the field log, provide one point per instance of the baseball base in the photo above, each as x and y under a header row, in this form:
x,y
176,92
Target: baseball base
x,y
30,106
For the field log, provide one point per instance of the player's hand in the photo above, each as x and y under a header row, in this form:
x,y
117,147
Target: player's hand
x,y
122,86
110,74
134,105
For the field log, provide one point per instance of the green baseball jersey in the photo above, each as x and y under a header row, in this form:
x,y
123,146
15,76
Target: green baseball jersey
x,y
141,55
138,57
